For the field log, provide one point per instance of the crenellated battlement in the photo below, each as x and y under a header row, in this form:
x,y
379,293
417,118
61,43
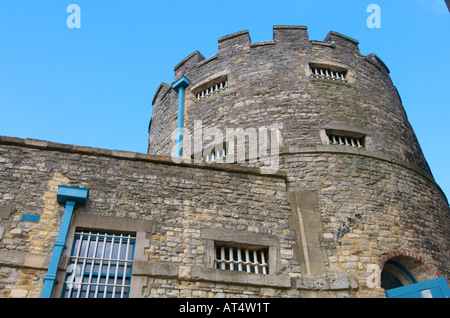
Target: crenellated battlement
x,y
294,38
294,82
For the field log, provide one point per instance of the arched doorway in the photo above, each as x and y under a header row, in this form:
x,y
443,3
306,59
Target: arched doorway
x,y
407,276
395,275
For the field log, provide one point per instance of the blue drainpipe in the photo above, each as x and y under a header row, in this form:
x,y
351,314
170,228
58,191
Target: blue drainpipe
x,y
70,196
180,86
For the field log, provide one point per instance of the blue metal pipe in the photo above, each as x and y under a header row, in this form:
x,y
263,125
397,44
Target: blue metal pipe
x,y
70,196
180,86
60,244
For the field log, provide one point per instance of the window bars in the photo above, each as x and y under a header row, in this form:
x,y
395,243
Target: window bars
x,y
100,265
242,259
216,154
212,89
346,141
321,72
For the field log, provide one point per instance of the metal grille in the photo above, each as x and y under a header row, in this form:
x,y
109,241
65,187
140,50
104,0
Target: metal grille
x,y
346,141
321,72
242,259
34,218
100,265
216,154
212,89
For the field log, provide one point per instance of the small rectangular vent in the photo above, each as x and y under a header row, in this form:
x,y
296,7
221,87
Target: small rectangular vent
x,y
33,218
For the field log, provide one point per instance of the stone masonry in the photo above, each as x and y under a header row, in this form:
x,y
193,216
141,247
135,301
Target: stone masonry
x,y
353,205
329,218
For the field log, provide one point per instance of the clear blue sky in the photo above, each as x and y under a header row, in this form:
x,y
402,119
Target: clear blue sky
x,y
93,86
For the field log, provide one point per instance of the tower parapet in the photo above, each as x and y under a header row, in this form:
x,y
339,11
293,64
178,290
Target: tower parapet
x,y
305,86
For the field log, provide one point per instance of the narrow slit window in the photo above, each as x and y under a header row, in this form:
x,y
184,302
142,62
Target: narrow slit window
x,y
210,88
328,73
346,141
216,153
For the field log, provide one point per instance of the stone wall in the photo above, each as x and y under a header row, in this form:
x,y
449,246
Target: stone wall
x,y
176,211
328,217
323,236
369,207
352,208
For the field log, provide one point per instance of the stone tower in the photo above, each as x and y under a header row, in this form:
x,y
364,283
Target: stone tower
x,y
360,189
336,201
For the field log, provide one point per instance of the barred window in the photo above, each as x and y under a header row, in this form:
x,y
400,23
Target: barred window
x,y
346,141
210,87
215,154
328,72
100,265
250,260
